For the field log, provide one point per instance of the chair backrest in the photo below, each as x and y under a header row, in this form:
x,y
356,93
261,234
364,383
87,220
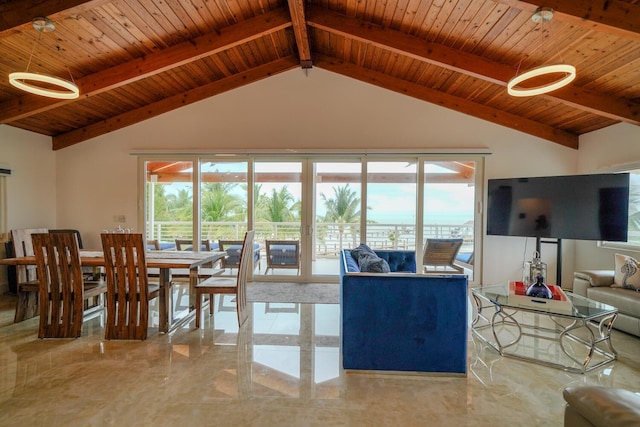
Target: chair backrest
x,y
69,230
23,246
153,245
127,286
441,252
246,260
283,253
187,245
61,285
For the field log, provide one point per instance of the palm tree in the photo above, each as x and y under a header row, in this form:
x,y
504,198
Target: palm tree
x,y
160,203
280,206
180,205
343,208
259,202
219,203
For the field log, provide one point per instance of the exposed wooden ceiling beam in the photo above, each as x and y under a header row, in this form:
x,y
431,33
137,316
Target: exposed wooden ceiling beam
x,y
15,13
296,9
442,99
614,17
462,62
139,68
173,102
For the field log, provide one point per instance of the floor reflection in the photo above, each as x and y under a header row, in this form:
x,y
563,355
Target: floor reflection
x,y
284,349
282,367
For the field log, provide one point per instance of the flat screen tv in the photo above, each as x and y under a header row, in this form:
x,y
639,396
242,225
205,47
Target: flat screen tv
x,y
580,207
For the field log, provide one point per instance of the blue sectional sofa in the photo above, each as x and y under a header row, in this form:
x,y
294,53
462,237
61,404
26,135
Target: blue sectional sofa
x,y
402,321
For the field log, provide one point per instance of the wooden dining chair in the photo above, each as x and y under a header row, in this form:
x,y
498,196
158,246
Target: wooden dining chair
x,y
26,275
61,285
128,287
229,285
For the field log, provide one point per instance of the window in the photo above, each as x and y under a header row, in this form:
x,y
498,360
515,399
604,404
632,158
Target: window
x,y
633,239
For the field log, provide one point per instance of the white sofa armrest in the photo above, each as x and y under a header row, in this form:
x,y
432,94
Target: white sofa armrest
x,y
601,406
584,279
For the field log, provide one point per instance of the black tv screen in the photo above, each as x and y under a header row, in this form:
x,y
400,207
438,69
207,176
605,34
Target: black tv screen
x,y
580,207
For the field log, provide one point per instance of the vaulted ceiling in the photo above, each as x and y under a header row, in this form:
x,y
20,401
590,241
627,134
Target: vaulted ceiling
x,y
136,59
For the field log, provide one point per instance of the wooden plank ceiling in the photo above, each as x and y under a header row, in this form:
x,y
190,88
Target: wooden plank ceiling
x,y
135,59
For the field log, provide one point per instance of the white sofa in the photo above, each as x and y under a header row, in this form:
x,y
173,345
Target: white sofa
x,y
596,285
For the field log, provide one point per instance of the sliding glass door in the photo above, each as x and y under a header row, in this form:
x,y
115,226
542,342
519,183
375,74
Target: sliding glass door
x,y
336,213
169,201
278,207
391,204
305,210
223,200
449,200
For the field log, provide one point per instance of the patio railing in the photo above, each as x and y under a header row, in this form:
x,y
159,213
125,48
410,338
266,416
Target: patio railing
x,y
330,237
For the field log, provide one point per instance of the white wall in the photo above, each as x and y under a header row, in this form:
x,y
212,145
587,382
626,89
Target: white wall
x,y
293,111
606,150
31,187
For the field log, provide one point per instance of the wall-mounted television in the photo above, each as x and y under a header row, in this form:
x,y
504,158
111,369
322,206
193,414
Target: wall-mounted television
x,y
580,207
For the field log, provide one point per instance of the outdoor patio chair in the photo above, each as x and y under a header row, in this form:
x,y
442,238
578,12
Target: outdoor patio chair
x,y
187,245
233,249
440,255
282,254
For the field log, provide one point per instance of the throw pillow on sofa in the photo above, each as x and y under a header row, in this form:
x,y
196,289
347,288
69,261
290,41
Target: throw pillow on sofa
x,y
369,261
627,273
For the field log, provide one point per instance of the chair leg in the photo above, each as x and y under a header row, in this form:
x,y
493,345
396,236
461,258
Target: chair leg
x,y
26,306
198,308
211,301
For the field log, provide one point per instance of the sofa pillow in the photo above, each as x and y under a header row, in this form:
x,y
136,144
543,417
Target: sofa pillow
x,y
627,273
369,261
361,251
373,264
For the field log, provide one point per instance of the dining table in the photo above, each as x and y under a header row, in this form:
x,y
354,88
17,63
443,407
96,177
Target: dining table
x,y
166,263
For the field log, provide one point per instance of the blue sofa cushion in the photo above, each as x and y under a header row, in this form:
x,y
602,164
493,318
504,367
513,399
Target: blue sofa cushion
x,y
369,261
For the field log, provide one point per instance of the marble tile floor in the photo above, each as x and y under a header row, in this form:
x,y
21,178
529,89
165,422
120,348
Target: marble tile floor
x,y
281,368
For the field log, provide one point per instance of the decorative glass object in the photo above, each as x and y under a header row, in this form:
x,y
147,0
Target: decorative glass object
x,y
535,276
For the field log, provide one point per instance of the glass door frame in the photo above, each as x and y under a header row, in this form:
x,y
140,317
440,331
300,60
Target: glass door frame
x,y
307,197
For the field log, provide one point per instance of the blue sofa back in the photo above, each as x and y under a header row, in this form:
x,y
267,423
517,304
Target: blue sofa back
x,y
403,322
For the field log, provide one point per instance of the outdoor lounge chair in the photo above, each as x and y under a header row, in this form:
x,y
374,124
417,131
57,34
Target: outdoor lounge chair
x,y
440,255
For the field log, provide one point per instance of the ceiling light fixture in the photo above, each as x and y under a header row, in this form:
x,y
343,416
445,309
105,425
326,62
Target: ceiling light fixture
x,y
44,84
566,72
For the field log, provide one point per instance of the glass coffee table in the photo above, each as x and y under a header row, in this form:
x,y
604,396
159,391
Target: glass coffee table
x,y
575,337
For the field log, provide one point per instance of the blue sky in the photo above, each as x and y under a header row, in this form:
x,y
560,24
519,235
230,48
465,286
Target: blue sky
x,y
388,203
